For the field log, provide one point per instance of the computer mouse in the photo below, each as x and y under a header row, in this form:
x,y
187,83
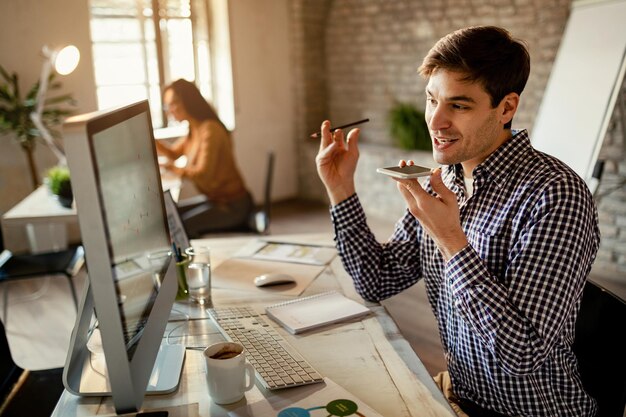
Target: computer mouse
x,y
273,279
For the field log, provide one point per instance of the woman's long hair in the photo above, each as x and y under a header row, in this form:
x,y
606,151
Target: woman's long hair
x,y
193,102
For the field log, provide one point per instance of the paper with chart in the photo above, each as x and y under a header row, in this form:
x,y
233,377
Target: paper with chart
x,y
317,400
295,252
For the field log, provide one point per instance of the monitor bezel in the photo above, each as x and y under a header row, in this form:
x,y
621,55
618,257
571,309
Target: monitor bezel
x,y
128,379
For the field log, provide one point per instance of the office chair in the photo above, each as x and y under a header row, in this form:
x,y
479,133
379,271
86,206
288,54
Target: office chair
x,y
26,393
259,219
14,267
600,346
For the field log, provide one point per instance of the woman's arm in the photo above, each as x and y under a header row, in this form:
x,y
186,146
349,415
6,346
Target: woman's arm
x,y
173,151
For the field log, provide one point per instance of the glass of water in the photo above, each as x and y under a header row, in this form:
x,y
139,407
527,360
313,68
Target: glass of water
x,y
199,275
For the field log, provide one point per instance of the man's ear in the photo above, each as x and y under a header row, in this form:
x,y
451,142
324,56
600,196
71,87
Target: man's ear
x,y
508,107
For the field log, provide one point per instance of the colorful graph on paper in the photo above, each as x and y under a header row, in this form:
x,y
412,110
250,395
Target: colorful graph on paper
x,y
317,400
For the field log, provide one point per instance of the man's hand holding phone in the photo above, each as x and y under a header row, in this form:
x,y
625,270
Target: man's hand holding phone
x,y
439,215
405,171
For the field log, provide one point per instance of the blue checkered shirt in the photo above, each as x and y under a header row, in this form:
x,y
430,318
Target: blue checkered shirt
x,y
506,304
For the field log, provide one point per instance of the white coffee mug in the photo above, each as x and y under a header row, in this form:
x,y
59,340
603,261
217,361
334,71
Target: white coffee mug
x,y
226,370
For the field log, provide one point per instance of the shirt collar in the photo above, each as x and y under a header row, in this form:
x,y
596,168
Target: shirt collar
x,y
500,164
452,176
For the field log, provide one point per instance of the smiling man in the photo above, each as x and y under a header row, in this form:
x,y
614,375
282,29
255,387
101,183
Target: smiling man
x,y
503,235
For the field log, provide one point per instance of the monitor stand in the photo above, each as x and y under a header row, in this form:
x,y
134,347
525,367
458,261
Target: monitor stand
x,y
85,373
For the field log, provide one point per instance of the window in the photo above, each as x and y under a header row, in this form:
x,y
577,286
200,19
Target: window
x,y
140,46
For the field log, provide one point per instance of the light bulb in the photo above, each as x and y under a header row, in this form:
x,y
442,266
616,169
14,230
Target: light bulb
x,y
66,60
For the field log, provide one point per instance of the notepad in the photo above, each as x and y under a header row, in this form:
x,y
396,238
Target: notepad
x,y
315,311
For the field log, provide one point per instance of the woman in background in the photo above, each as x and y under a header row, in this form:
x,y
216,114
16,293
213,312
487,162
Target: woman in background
x,y
223,201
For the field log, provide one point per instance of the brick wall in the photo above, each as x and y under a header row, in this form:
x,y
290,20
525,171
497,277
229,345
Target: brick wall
x,y
355,58
309,55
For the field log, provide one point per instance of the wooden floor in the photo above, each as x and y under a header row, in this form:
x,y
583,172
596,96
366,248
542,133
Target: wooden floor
x,y
41,311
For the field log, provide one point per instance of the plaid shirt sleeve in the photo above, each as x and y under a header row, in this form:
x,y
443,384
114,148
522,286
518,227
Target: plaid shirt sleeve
x,y
519,317
379,270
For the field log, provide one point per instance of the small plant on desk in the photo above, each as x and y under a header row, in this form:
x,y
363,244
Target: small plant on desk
x,y
58,180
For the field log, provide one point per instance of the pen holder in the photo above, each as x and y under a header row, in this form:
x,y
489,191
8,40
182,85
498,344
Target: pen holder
x,y
181,271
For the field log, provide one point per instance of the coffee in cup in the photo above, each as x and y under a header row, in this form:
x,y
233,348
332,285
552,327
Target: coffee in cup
x,y
225,353
226,372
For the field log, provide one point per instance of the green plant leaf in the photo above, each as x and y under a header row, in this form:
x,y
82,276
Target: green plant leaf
x,y
32,93
58,99
4,94
16,87
15,112
408,127
5,74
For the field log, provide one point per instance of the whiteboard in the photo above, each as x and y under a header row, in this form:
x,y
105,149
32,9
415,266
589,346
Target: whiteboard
x,y
582,89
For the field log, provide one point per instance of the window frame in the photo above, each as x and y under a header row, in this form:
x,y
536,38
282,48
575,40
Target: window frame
x,y
199,14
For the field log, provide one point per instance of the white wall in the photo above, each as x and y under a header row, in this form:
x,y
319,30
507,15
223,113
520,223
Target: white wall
x,y
263,89
25,26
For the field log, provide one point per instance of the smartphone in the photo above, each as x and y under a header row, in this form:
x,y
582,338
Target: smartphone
x,y
408,171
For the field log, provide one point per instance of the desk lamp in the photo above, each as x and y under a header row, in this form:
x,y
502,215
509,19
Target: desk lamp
x,y
63,60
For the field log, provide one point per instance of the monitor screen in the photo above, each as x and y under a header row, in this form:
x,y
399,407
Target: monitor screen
x,y
130,191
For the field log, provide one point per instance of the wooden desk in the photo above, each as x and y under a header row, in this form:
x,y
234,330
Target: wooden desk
x,y
369,358
39,223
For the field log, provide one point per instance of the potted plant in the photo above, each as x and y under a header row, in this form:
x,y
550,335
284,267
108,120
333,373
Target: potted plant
x,y
408,127
58,180
15,114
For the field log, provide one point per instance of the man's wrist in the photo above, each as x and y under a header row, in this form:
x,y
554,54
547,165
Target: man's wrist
x,y
452,247
339,194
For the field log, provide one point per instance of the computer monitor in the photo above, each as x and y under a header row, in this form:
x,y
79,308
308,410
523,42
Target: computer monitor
x,y
117,188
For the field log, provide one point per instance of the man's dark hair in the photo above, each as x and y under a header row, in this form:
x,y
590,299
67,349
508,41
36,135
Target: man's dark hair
x,y
485,54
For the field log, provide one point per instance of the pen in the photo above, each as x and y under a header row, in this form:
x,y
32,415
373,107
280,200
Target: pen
x,y
319,134
176,251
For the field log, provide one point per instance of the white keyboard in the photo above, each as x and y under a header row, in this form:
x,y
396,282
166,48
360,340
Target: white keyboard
x,y
277,364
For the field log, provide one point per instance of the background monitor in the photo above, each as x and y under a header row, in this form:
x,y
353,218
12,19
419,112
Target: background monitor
x,y
119,200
